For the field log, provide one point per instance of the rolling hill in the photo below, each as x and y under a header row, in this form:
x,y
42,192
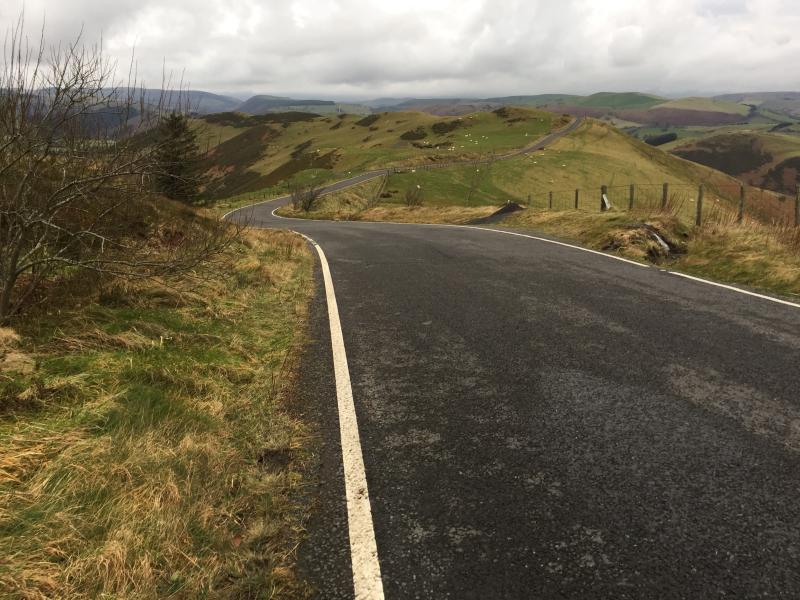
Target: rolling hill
x,y
256,152
787,103
595,154
262,104
765,159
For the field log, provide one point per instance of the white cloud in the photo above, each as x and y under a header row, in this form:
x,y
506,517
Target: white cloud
x,y
443,47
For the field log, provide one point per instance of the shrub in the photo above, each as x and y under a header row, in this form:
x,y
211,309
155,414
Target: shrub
x,y
414,134
368,120
658,140
445,126
413,196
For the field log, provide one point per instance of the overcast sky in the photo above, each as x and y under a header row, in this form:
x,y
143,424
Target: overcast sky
x,y
363,48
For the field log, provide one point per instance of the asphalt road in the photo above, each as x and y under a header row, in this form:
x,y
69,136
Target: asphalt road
x,y
542,422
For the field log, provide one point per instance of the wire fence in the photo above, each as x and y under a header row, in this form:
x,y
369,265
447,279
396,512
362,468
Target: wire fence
x,y
699,204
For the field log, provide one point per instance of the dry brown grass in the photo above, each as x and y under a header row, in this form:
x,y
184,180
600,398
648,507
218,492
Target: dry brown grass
x,y
132,461
358,203
457,215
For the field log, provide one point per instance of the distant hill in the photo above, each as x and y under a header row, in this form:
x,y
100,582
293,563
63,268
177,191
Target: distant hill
x,y
624,100
780,102
262,104
765,159
200,102
706,105
254,152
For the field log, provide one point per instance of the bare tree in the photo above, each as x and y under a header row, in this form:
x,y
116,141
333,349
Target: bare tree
x,y
478,176
303,197
76,172
413,195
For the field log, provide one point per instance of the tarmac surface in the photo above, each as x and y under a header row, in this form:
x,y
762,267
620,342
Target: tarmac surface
x,y
539,421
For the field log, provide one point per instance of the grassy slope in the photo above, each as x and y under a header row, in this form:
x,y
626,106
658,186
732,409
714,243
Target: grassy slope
x,y
706,104
151,453
594,155
352,147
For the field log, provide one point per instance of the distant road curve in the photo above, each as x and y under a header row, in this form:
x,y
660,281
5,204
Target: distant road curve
x,y
374,174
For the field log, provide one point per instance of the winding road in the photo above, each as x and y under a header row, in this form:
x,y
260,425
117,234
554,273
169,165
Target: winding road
x,y
536,420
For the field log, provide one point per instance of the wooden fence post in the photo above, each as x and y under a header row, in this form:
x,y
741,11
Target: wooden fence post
x,y
797,207
699,219
664,196
577,198
550,200
603,192
740,217
632,196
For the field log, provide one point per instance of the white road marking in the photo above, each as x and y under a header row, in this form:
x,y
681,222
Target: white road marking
x,y
606,255
525,235
367,581
735,289
541,239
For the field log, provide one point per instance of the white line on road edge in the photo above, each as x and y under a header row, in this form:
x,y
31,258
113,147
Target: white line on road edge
x,y
525,235
605,254
735,289
367,582
541,239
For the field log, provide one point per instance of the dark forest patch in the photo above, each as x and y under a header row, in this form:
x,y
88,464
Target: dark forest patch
x,y
445,127
233,119
368,120
784,177
241,151
733,154
659,140
418,133
312,160
300,149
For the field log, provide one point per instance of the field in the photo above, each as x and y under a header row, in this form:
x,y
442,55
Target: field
x,y
593,156
589,158
147,445
706,105
247,154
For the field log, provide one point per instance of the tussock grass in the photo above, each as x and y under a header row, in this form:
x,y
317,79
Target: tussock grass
x,y
361,203
151,453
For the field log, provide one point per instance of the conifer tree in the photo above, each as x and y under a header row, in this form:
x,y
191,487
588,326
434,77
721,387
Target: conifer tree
x,y
178,157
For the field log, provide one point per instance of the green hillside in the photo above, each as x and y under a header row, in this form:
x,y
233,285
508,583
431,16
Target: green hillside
x,y
249,153
705,104
594,155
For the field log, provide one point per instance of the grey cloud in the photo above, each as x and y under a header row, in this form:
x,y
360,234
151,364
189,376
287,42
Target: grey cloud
x,y
442,47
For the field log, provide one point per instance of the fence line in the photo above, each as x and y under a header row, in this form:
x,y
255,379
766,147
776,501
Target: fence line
x,y
701,203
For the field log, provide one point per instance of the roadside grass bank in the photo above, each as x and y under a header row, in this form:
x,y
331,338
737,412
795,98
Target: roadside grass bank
x,y
362,202
749,254
147,446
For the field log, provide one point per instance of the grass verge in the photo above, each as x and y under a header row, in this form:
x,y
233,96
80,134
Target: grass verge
x,y
361,203
150,452
750,254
